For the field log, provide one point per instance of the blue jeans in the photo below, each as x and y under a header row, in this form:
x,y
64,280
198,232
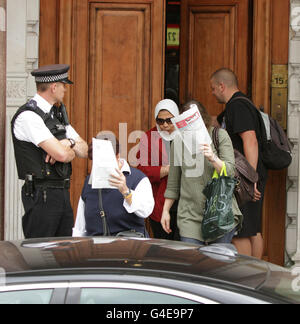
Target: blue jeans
x,y
226,239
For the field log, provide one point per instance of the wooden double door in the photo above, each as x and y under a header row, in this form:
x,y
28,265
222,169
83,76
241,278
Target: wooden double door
x,y
116,49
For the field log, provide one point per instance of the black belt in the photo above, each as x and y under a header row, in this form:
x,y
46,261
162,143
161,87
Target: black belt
x,y
52,184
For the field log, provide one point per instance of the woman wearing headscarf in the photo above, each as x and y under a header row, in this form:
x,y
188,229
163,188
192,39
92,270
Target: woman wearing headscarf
x,y
154,161
189,189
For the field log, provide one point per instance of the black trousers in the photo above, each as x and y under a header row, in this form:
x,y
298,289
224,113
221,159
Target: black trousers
x,y
47,214
159,232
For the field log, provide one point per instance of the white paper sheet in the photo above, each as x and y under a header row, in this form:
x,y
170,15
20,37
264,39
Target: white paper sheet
x,y
104,164
192,130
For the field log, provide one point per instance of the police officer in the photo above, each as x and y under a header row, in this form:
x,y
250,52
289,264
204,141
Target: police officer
x,y
45,144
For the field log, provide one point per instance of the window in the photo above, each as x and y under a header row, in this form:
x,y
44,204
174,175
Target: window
x,y
42,296
128,296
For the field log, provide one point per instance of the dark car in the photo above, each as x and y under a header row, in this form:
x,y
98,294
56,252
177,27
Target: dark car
x,y
136,271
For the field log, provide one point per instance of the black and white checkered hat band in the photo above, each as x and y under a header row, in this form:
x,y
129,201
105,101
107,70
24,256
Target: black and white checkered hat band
x,y
51,78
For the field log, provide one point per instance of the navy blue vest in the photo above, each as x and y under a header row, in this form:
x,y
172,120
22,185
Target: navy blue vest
x,y
118,218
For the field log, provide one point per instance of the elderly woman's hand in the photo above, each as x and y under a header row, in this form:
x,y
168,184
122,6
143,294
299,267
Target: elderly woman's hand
x,y
119,182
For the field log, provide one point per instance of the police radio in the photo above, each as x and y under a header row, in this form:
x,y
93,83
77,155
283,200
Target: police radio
x,y
61,114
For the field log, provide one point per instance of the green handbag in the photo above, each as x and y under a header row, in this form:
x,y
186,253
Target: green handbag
x,y
218,215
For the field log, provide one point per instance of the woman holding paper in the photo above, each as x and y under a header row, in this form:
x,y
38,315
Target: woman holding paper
x,y
154,161
188,189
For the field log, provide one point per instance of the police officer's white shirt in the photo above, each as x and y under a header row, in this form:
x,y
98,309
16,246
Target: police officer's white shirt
x,y
142,204
30,127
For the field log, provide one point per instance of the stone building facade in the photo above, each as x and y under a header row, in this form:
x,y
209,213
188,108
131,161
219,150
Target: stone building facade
x,y
293,187
22,58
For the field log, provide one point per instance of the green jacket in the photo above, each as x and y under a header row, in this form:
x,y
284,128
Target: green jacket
x,y
189,190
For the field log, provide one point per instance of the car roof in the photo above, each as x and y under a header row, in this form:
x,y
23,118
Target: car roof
x,y
162,258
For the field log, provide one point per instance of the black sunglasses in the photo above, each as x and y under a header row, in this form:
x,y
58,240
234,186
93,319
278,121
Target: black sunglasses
x,y
161,121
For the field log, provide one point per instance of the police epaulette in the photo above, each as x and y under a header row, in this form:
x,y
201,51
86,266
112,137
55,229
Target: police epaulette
x,y
31,104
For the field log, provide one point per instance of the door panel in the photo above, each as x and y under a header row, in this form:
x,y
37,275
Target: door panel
x,y
116,52
119,67
214,34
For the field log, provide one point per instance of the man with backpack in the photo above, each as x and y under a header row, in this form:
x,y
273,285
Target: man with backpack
x,y
242,123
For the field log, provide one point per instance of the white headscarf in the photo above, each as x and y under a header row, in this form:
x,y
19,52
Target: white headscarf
x,y
171,107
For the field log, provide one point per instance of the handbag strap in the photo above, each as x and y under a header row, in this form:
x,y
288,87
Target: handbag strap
x,y
223,172
241,163
215,138
106,231
216,141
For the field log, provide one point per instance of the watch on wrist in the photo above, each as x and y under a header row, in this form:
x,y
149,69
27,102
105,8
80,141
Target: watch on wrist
x,y
73,143
127,194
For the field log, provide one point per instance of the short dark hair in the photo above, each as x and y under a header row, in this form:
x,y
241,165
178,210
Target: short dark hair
x,y
42,87
227,76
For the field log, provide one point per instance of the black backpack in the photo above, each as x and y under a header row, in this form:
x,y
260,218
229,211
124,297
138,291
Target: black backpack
x,y
275,147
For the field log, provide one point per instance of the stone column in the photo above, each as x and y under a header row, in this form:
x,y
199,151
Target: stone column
x,y
22,58
2,108
294,123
